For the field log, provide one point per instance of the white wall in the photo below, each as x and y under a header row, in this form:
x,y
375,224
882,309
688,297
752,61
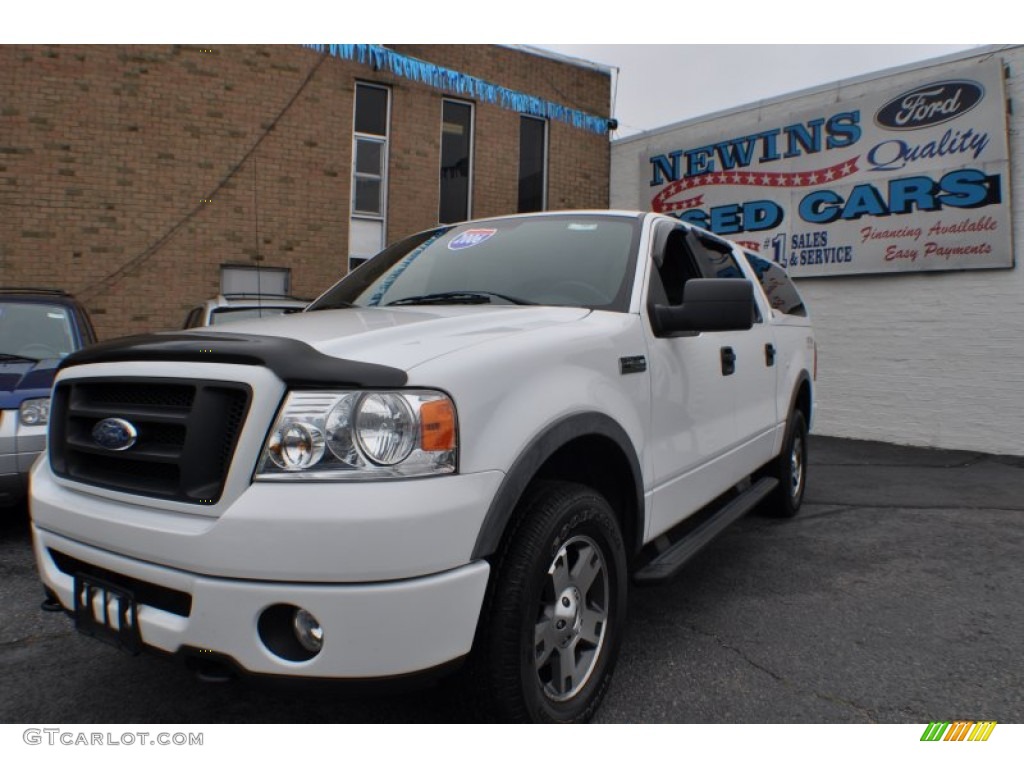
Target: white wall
x,y
931,359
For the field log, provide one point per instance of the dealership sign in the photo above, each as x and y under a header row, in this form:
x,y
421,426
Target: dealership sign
x,y
913,179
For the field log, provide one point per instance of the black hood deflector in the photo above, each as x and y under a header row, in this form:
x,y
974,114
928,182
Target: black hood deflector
x,y
294,362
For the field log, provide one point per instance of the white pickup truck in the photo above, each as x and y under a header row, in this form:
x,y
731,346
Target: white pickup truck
x,y
464,450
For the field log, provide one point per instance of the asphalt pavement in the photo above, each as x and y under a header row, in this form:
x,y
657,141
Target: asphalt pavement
x,y
894,597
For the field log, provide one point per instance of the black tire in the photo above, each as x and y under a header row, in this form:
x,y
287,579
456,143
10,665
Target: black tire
x,y
790,469
557,598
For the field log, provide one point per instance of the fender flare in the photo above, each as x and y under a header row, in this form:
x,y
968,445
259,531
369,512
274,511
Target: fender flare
x,y
533,457
802,378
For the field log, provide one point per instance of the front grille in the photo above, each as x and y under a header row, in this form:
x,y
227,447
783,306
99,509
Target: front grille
x,y
147,593
186,433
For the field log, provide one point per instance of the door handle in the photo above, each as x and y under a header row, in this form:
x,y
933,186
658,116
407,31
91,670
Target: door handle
x,y
728,361
769,355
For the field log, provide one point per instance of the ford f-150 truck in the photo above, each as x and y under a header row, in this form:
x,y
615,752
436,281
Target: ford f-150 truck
x,y
465,450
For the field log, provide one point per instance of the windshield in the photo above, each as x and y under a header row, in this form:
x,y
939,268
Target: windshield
x,y
557,260
35,331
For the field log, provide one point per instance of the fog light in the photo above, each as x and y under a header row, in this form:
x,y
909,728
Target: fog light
x,y
308,631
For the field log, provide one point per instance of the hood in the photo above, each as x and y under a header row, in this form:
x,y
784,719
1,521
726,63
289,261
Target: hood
x,y
24,379
404,337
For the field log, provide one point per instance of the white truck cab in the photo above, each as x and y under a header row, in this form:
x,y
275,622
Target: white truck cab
x,y
464,450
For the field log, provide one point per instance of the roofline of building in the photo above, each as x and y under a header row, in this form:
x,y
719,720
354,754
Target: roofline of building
x,y
544,53
970,53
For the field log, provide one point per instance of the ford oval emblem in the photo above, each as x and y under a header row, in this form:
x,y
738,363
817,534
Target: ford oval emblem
x,y
930,105
114,434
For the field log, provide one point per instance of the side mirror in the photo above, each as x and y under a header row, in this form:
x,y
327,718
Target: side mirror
x,y
709,304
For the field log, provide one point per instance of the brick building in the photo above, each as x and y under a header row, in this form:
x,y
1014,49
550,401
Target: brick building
x,y
145,178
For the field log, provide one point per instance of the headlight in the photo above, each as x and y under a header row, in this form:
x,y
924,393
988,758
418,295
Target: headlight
x,y
35,412
385,428
360,436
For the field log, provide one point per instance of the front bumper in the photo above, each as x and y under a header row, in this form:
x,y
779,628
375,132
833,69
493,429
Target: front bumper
x,y
370,630
384,566
317,532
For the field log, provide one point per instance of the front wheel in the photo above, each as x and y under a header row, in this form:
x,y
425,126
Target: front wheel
x,y
556,607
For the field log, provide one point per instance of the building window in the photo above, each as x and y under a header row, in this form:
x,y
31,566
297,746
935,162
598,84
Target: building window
x,y
265,280
369,177
369,171
456,161
533,164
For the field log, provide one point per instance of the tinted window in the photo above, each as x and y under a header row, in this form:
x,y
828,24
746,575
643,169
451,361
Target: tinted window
x,y
552,260
456,135
777,285
714,258
532,164
371,110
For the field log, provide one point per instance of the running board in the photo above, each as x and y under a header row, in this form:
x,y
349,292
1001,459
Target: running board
x,y
669,562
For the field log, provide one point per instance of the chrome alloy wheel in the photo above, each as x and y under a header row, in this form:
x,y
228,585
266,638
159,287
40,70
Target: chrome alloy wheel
x,y
796,467
572,621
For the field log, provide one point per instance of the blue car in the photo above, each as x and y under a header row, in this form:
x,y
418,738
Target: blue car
x,y
38,328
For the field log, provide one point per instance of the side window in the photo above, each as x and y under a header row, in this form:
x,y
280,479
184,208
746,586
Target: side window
x,y
777,285
679,255
673,266
714,257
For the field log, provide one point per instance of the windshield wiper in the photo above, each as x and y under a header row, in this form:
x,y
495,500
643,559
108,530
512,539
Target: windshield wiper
x,y
4,356
458,297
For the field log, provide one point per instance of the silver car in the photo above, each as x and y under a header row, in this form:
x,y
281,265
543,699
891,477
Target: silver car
x,y
232,307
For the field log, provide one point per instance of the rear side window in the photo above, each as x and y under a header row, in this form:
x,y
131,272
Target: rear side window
x,y
778,287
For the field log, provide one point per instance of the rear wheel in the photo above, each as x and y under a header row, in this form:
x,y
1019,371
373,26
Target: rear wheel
x,y
790,469
556,607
